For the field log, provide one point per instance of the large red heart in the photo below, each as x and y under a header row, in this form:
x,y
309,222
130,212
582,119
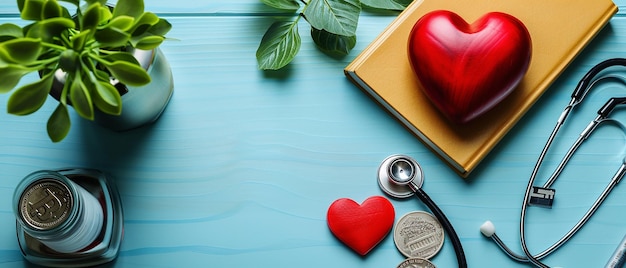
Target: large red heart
x,y
361,227
466,69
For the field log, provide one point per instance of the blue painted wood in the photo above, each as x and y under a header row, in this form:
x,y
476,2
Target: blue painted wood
x,y
243,164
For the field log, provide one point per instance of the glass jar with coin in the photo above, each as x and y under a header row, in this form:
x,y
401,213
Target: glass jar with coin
x,y
68,217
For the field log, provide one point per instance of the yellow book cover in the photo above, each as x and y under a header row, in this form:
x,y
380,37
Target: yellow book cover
x,y
559,30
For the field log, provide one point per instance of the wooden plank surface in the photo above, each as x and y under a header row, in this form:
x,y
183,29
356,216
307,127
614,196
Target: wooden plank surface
x,y
243,165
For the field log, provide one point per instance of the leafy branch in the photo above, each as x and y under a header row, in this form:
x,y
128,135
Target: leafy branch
x,y
333,28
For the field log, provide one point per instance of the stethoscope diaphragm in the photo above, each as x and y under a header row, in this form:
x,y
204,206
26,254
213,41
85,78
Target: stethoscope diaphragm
x,y
396,172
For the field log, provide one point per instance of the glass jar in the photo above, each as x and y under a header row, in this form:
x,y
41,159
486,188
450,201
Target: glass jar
x,y
68,217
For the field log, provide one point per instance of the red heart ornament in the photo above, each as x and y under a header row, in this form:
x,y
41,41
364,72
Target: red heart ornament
x,y
466,69
361,227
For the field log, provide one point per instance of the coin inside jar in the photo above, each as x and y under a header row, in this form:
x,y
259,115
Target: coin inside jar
x,y
418,234
45,204
416,263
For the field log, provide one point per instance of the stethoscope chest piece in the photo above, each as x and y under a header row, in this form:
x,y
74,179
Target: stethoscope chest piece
x,y
396,172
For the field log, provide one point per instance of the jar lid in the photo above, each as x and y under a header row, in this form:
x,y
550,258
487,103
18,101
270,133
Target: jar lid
x,y
45,204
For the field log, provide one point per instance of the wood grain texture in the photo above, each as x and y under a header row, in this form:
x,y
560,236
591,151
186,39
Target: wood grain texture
x,y
242,166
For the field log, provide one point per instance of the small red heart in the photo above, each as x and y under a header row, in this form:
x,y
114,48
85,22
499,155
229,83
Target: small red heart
x,y
361,227
466,69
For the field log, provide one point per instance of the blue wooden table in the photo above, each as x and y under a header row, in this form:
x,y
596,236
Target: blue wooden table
x,y
243,165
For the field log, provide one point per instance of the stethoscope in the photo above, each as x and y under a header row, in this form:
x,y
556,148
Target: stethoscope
x,y
543,196
400,177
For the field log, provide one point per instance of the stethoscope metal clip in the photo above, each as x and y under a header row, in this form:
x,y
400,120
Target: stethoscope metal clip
x,y
543,196
400,176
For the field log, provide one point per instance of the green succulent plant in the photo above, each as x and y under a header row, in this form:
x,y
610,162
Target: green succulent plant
x,y
90,41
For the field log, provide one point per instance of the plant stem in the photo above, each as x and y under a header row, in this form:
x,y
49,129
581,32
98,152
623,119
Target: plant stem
x,y
98,59
108,52
53,46
87,71
66,89
306,5
90,63
65,40
37,65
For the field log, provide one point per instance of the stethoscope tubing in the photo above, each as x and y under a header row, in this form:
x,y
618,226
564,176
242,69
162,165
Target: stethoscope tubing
x,y
577,96
558,170
614,181
454,238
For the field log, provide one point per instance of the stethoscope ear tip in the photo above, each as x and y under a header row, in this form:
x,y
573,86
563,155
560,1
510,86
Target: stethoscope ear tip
x,y
488,229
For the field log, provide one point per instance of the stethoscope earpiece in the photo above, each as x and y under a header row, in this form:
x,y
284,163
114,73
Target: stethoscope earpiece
x,y
488,229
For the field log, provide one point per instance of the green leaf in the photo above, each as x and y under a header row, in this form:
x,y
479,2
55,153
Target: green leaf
x,y
121,56
128,73
384,4
107,99
48,29
279,45
332,43
404,3
20,50
335,16
105,96
29,98
122,23
31,9
59,123
91,17
51,9
161,28
89,2
112,37
75,2
133,8
147,18
20,5
144,23
69,60
102,75
10,76
105,13
10,31
148,42
79,40
80,98
290,5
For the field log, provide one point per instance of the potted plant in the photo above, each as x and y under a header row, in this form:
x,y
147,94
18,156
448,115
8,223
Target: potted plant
x,y
89,55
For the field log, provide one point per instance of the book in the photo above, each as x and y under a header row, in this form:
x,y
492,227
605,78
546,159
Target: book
x,y
559,30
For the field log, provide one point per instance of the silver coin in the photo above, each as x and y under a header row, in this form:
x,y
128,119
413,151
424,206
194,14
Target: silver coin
x,y
418,234
416,263
45,204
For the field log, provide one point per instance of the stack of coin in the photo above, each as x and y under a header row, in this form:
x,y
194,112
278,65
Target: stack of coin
x,y
418,235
